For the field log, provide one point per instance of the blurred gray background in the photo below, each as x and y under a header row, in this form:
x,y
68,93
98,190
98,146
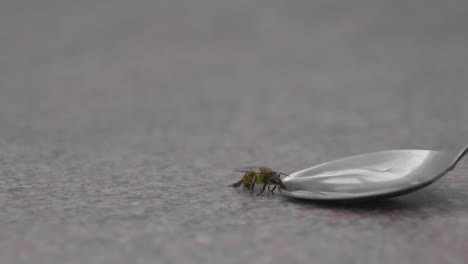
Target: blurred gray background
x,y
120,123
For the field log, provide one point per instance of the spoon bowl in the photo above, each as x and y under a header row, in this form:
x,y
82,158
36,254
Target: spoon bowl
x,y
369,176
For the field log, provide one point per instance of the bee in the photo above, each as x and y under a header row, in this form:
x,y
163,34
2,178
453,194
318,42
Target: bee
x,y
260,175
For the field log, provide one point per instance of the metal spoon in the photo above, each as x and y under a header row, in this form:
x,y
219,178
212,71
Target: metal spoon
x,y
370,176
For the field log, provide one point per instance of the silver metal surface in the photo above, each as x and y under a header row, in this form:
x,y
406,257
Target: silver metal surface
x,y
374,175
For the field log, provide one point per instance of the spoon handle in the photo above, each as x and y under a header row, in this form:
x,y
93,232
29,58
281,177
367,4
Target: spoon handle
x,y
458,157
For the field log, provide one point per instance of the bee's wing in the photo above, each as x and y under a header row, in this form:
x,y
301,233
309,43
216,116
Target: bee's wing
x,y
246,169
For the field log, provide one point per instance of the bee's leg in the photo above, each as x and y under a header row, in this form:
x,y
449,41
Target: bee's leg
x,y
264,186
273,189
252,185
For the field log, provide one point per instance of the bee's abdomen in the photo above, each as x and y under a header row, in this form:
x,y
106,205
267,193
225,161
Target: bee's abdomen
x,y
261,178
248,178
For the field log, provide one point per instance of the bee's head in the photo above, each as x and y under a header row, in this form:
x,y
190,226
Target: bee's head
x,y
276,179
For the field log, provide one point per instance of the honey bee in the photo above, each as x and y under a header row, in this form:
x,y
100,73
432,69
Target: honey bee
x,y
260,175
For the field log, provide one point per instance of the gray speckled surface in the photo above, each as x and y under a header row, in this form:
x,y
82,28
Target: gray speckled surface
x,y
121,120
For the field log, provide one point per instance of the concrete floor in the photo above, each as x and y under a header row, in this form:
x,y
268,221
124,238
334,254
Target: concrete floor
x,y
120,123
